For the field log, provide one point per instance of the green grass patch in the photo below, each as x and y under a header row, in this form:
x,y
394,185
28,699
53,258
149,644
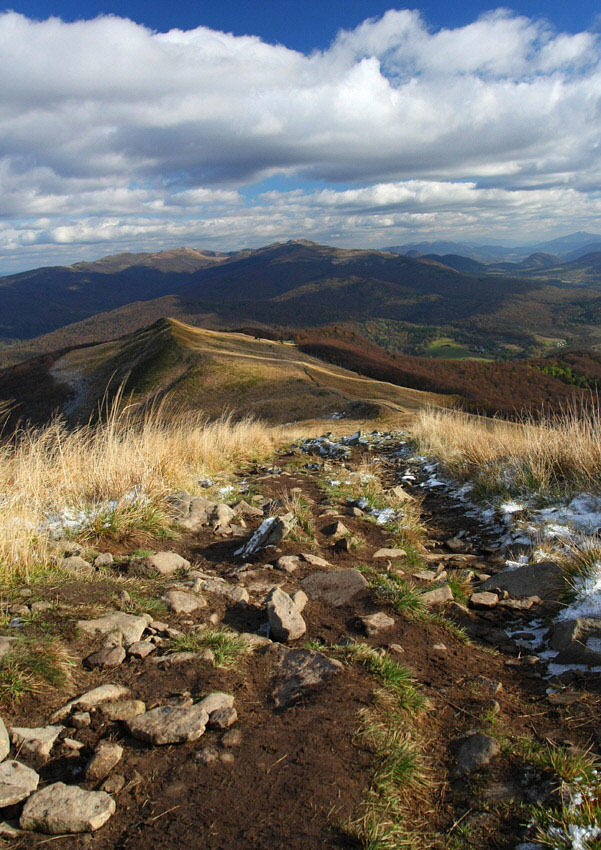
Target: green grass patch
x,y
33,665
228,647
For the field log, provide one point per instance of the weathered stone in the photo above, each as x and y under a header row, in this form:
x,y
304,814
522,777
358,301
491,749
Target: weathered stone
x,y
80,720
400,493
165,563
104,560
242,508
426,575
491,687
335,529
123,709
183,603
269,533
221,588
438,596
110,654
91,699
300,599
300,671
315,560
169,724
390,554
216,702
17,782
75,564
335,588
485,599
107,756
476,752
540,579
287,563
285,620
38,741
376,623
129,625
59,808
140,649
256,641
204,656
227,758
223,718
455,544
577,641
220,515
4,741
114,784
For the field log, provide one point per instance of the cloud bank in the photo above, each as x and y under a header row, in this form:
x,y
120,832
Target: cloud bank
x,y
116,137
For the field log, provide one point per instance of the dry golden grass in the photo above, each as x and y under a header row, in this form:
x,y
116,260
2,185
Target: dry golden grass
x,y
554,454
132,459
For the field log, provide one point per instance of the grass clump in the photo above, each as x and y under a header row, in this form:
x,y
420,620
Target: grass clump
x,y
303,530
31,666
228,647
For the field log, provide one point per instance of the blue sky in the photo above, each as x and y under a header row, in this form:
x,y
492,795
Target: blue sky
x,y
220,125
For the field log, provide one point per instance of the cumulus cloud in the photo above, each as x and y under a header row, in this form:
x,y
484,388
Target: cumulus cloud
x,y
118,135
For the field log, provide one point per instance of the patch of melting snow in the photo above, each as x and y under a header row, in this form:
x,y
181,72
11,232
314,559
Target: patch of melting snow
x,y
384,516
588,597
75,520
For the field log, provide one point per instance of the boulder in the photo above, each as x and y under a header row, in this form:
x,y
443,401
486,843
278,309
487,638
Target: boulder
x,y
577,641
130,625
334,588
58,809
269,533
216,702
169,724
541,579
220,516
183,603
476,752
140,649
17,782
223,718
107,756
300,599
165,563
285,620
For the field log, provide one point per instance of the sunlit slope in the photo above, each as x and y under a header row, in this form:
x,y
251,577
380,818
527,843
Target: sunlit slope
x,y
219,372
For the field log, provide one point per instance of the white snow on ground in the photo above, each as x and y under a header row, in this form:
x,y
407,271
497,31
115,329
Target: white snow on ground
x,y
69,521
588,597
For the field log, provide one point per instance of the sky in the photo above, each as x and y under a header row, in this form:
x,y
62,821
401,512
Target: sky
x,y
136,126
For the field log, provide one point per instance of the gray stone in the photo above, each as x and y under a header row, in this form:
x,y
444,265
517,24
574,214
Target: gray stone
x,y
104,560
334,588
426,575
315,560
222,588
242,508
183,603
74,564
400,493
204,656
376,623
223,718
233,738
216,702
114,784
4,741
123,709
455,544
110,654
17,782
438,596
335,529
107,756
577,641
220,516
541,579
391,554
299,672
287,563
60,808
300,599
140,649
165,563
169,724
271,532
91,699
476,752
285,620
484,599
38,740
80,720
131,626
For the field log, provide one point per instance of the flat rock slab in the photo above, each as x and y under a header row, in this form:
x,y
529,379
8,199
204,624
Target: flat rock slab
x,y
37,741
315,560
299,672
91,699
335,588
165,563
391,554
438,596
107,756
169,724
285,620
17,782
216,702
230,591
484,599
183,603
130,626
60,808
541,579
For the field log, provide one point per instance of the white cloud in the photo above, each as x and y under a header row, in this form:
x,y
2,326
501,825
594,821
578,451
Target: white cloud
x,y
112,133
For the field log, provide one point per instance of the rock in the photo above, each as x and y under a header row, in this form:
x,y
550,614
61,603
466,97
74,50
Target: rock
x,y
6,645
356,512
300,599
222,588
335,588
376,623
216,702
4,741
503,792
390,554
9,832
80,720
220,516
104,560
110,654
123,709
335,529
439,648
299,672
524,604
165,563
60,808
114,784
140,649
17,782
315,560
285,620
400,493
204,655
269,533
169,724
426,575
107,756
455,544
183,603
577,641
489,686
37,741
485,599
227,758
223,718
74,564
476,752
233,738
257,641
540,579
396,649
91,699
287,563
346,544
438,596
242,508
207,755
129,625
